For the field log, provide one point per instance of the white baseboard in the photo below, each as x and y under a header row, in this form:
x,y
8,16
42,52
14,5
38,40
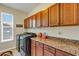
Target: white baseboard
x,y
7,49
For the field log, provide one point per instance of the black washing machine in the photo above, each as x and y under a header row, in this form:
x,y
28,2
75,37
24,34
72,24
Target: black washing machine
x,y
23,43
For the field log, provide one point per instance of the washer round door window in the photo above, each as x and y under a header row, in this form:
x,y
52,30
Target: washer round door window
x,y
6,27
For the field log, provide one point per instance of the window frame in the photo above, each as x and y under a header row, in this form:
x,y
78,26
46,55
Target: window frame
x,y
4,13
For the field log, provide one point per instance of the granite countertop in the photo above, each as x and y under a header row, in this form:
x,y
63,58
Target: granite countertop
x,y
70,46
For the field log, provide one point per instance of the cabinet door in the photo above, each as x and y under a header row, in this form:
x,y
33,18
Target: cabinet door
x,y
33,21
25,23
77,13
62,53
30,22
49,50
47,53
33,48
44,15
38,19
68,14
54,15
39,49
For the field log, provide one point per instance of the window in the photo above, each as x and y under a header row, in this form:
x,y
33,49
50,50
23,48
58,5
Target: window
x,y
6,27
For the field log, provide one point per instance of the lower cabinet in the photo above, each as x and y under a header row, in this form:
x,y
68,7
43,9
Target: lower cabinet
x,y
47,53
33,48
40,49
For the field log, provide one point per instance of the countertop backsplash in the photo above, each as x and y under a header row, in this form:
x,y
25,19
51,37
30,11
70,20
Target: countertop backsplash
x,y
68,32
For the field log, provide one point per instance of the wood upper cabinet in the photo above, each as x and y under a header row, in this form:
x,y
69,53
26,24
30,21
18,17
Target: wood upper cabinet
x,y
62,53
33,48
68,13
30,22
58,14
38,19
44,18
33,21
54,15
77,13
25,23
39,49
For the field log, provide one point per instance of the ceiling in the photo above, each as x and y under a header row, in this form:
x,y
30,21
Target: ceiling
x,y
24,7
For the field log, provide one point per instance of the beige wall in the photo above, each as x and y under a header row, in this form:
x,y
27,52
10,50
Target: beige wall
x,y
18,19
